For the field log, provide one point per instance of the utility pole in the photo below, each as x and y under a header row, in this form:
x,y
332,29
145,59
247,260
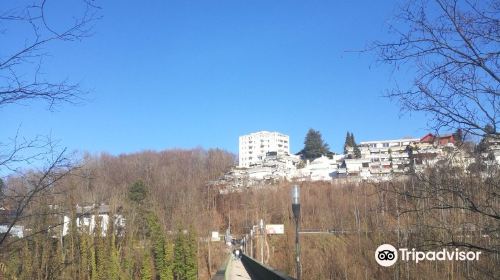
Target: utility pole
x,y
262,241
296,215
209,258
251,242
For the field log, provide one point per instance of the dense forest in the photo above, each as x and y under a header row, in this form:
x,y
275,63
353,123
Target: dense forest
x,y
170,211
162,197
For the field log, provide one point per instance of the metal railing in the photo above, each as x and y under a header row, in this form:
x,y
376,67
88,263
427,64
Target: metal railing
x,y
259,271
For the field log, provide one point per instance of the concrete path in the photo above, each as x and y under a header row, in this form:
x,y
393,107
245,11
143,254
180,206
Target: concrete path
x,y
236,271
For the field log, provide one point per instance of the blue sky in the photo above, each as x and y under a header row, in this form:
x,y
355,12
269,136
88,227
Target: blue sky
x,y
183,74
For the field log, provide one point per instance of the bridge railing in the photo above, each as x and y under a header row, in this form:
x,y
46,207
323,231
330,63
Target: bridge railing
x,y
257,270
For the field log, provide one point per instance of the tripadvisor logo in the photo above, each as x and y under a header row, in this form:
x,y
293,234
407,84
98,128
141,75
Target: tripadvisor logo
x,y
387,255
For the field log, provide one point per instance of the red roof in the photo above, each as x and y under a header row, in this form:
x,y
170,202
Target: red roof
x,y
439,139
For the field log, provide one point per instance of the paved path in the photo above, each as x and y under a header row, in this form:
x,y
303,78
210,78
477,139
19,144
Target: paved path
x,y
236,271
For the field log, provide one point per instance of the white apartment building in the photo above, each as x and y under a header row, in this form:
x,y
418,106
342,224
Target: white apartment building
x,y
254,147
386,156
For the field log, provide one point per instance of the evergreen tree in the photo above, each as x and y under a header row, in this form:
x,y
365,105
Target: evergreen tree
x,y
101,251
168,272
483,145
314,146
458,136
114,258
347,143
180,257
137,192
350,142
84,257
162,258
357,151
147,266
192,257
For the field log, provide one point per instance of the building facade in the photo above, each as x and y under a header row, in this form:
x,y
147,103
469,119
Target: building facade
x,y
254,147
386,156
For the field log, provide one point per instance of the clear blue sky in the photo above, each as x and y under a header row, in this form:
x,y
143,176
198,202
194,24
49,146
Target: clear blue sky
x,y
182,74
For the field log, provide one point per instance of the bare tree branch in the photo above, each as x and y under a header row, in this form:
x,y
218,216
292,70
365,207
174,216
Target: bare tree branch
x,y
452,45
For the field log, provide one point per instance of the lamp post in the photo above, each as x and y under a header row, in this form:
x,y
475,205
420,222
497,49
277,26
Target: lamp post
x,y
296,215
251,243
261,225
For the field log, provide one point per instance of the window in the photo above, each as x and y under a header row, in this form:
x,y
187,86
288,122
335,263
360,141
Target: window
x,y
386,145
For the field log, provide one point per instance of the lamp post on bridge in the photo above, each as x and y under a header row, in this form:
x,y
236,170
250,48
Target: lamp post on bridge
x,y
296,215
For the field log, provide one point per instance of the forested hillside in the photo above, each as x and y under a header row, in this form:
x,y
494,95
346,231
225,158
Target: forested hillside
x,y
161,195
170,210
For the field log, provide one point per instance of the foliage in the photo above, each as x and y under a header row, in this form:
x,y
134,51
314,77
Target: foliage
x,y
185,256
350,142
314,146
147,267
137,192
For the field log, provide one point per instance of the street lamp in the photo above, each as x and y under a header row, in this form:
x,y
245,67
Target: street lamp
x,y
296,215
262,238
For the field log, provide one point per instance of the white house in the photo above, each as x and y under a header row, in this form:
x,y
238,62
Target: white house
x,y
254,147
320,169
16,230
87,217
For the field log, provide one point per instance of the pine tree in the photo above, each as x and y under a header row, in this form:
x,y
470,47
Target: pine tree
x,y
93,259
163,264
458,136
314,146
180,257
168,272
137,192
114,258
192,256
147,266
101,250
85,257
350,142
347,143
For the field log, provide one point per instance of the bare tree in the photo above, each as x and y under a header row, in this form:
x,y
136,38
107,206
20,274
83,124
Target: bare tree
x,y
453,48
18,85
22,82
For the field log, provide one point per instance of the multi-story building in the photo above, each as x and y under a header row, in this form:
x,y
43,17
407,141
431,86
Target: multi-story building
x,y
387,156
254,147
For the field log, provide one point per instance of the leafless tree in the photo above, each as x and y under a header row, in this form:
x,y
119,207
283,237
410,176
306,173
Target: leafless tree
x,y
22,82
452,47
18,85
